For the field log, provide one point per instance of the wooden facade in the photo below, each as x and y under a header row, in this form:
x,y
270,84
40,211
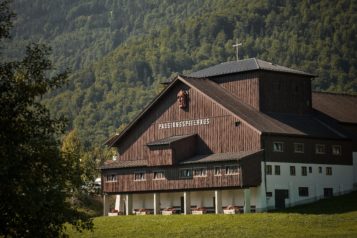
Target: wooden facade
x,y
219,136
309,154
167,136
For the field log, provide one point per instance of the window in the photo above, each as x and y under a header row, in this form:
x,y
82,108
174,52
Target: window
x,y
139,176
328,170
199,172
336,150
185,173
298,147
292,170
269,170
217,171
303,191
231,170
320,170
159,175
310,169
277,169
328,192
320,149
278,146
111,178
303,170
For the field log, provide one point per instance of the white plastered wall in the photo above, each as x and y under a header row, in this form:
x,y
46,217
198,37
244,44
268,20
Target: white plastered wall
x,y
341,181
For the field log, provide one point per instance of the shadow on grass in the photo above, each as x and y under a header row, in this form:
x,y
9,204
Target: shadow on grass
x,y
334,205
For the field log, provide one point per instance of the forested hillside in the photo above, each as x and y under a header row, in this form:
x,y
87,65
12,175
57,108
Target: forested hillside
x,y
119,51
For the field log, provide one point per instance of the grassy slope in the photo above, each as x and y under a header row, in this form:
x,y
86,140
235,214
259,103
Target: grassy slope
x,y
336,217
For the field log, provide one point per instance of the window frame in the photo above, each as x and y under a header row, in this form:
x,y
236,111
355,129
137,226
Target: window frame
x,y
113,178
303,191
159,172
219,169
277,170
296,144
230,166
292,170
303,171
188,175
317,146
270,170
275,149
339,151
143,178
202,174
329,171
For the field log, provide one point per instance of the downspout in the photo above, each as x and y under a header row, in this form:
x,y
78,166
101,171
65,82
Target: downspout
x,y
264,143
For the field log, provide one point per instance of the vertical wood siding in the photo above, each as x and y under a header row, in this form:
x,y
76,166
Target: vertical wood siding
x,y
309,155
125,180
220,135
244,86
285,93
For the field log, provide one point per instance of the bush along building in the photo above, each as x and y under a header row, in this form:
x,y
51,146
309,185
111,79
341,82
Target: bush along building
x,y
240,136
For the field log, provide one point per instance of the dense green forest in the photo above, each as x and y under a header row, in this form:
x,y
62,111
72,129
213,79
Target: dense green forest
x,y
119,51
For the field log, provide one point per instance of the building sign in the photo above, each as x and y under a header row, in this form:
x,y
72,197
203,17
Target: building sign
x,y
178,124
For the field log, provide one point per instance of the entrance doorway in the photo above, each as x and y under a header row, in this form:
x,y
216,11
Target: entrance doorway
x,y
280,196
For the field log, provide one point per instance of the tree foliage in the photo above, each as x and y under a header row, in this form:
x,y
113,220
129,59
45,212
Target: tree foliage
x,y
121,50
35,179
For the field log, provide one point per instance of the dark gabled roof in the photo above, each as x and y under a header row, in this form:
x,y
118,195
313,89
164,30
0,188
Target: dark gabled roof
x,y
124,164
244,66
341,107
169,140
230,156
275,123
301,125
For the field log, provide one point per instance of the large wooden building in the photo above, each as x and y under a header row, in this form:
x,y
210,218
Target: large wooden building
x,y
243,135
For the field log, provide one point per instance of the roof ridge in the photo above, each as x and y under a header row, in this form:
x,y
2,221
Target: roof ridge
x,y
256,62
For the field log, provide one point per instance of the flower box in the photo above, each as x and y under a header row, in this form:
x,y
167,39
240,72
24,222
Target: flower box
x,y
168,211
198,211
229,211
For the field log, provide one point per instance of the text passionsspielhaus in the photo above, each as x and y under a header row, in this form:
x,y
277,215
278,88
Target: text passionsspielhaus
x,y
195,122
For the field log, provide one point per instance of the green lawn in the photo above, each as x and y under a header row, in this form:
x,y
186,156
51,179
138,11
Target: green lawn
x,y
336,217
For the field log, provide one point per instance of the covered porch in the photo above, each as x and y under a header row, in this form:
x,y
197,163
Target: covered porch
x,y
227,201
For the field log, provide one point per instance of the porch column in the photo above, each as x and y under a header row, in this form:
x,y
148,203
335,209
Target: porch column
x,y
218,201
105,205
117,203
187,202
129,204
247,200
156,203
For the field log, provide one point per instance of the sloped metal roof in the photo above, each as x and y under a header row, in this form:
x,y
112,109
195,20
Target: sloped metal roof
x,y
279,123
124,164
244,66
230,156
341,107
169,140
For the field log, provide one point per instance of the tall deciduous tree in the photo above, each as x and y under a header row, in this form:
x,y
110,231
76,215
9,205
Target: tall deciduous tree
x,y
35,180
